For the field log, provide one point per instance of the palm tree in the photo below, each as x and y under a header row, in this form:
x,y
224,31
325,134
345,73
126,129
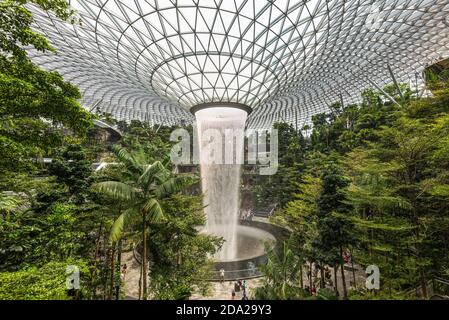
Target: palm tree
x,y
142,188
281,273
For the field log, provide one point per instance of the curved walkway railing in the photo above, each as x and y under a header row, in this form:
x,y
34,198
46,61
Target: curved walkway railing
x,y
107,126
437,287
244,269
244,274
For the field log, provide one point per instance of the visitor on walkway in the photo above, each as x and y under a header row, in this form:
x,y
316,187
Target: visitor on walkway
x,y
233,294
328,275
123,273
346,256
245,297
244,287
222,275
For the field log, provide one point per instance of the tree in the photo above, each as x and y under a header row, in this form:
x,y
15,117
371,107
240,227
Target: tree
x,y
144,186
280,275
73,170
334,232
42,283
301,216
30,239
33,101
180,252
396,190
279,189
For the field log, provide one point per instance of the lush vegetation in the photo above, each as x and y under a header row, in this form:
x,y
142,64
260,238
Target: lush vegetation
x,y
62,213
371,179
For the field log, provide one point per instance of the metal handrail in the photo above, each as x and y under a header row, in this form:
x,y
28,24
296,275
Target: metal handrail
x,y
243,274
430,284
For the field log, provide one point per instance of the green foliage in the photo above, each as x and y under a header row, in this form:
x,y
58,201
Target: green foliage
x,y
145,185
301,216
279,189
326,294
281,275
32,101
375,180
362,294
334,233
45,283
180,252
72,169
141,189
30,239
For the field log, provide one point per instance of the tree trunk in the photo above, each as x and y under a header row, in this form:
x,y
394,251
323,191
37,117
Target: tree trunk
x,y
322,283
119,269
311,278
97,252
111,285
301,281
424,285
106,268
336,280
353,273
343,280
144,259
140,282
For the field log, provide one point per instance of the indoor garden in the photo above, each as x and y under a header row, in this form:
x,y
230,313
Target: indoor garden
x,y
224,150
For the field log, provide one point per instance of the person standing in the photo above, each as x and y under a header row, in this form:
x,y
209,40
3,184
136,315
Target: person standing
x,y
222,275
233,294
239,285
124,270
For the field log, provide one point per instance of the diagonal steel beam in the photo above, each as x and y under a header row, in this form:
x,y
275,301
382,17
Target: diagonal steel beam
x,y
384,92
395,82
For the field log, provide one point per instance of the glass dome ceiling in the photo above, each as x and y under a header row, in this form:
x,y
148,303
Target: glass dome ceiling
x,y
287,59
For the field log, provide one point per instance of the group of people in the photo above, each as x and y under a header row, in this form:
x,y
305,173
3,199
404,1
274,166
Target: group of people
x,y
313,271
247,216
240,286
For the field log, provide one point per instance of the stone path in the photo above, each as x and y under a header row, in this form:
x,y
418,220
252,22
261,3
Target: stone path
x,y
223,290
131,281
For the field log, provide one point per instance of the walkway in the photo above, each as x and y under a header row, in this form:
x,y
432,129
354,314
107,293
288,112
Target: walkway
x,y
223,290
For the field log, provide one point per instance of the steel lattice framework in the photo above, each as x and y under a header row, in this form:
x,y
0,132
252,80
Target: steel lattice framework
x,y
287,59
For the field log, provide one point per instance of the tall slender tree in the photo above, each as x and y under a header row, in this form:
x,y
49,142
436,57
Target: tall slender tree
x,y
143,187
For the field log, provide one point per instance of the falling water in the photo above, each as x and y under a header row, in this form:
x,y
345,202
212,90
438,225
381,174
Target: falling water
x,y
220,176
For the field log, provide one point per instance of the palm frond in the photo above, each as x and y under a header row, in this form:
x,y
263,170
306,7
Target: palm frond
x,y
126,158
116,190
117,228
172,186
150,172
9,203
154,211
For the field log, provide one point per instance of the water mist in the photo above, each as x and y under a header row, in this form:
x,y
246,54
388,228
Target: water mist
x,y
221,146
